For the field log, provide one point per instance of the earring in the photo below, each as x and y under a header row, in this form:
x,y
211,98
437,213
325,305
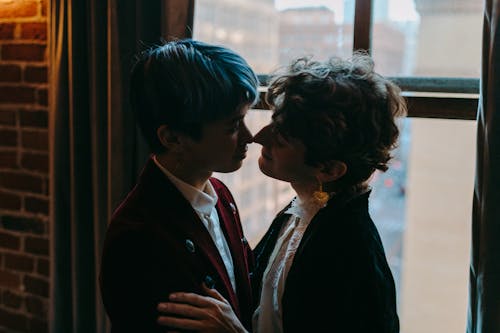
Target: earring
x,y
321,197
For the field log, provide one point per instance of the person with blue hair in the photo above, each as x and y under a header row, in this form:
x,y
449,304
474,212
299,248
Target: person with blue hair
x,y
179,227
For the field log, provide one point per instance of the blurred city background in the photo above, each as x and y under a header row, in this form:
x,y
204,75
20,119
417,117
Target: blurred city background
x,y
422,204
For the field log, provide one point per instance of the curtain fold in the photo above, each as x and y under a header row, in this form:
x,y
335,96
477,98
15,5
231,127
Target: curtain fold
x,y
96,151
484,287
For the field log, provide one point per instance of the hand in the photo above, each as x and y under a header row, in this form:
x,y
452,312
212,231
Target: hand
x,y
204,314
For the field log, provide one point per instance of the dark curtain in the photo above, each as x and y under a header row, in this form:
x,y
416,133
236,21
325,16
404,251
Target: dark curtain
x,y
484,288
96,151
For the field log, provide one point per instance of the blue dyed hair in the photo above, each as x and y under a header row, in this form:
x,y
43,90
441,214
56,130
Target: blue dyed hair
x,y
186,84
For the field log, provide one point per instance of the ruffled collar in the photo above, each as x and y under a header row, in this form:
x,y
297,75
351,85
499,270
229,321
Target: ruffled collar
x,y
304,208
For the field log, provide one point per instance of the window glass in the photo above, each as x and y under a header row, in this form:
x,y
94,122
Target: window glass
x,y
439,38
270,33
436,241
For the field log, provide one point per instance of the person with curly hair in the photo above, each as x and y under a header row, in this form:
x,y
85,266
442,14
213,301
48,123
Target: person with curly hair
x,y
321,266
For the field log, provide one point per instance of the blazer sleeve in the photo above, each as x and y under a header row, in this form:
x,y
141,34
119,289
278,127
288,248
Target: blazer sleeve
x,y
126,293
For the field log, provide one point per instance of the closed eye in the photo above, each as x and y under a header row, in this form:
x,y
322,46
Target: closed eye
x,y
235,125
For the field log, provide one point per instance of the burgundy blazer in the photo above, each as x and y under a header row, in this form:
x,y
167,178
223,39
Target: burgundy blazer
x,y
156,244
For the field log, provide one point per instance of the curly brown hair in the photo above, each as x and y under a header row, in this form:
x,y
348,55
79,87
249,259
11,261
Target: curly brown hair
x,y
341,110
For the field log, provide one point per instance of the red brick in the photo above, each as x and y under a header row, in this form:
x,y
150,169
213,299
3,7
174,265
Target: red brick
x,y
38,325
35,161
19,262
10,201
7,117
8,241
7,30
11,299
46,186
19,8
37,140
43,97
37,245
34,30
44,8
34,118
35,74
9,280
10,73
21,181
43,267
14,321
36,286
8,159
36,205
27,52
36,306
17,95
8,138
22,224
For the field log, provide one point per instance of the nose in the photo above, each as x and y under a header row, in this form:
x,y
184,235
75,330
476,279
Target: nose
x,y
262,137
245,134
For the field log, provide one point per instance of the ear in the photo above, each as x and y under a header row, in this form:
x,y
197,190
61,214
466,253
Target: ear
x,y
332,171
168,138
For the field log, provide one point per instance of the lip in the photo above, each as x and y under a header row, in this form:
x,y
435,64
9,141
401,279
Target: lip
x,y
241,153
241,156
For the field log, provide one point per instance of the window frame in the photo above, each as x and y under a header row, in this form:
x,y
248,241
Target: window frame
x,y
427,97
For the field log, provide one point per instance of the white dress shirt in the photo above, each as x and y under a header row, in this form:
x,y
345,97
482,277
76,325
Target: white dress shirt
x,y
203,202
267,318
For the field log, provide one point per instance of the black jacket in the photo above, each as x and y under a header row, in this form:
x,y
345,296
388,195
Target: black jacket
x,y
339,280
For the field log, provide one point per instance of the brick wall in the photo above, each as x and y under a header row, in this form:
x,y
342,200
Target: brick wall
x,y
24,165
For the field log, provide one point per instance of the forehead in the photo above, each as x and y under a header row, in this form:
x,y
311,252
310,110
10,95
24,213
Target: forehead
x,y
232,117
239,113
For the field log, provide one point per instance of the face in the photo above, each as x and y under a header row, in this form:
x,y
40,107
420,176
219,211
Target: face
x,y
223,144
283,159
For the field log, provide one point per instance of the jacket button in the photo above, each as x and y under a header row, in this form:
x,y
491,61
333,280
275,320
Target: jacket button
x,y
209,281
244,241
233,207
190,246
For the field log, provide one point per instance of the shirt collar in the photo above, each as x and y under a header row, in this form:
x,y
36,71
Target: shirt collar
x,y
202,201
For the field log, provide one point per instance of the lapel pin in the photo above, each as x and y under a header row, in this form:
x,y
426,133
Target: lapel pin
x,y
209,281
190,246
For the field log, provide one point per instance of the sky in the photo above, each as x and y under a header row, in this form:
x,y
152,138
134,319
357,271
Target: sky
x,y
399,10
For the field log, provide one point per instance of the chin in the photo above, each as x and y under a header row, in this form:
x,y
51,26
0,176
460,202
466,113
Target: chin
x,y
266,171
229,168
269,173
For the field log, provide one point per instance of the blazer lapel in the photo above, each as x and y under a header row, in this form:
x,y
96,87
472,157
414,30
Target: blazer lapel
x,y
227,217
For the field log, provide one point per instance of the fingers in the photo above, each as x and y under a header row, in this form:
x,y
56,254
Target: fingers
x,y
178,309
213,293
189,298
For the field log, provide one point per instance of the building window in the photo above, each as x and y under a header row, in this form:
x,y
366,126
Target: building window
x,y
422,204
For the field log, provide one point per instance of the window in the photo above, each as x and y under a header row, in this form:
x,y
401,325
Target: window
x,y
422,204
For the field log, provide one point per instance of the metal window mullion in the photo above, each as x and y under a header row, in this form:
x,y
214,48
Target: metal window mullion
x,y
362,25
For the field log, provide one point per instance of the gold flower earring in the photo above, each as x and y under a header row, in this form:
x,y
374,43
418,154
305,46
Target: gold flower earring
x,y
320,197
